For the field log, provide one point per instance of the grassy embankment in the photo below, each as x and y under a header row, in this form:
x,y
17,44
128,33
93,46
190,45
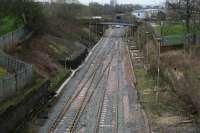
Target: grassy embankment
x,y
171,29
8,24
62,36
169,113
172,32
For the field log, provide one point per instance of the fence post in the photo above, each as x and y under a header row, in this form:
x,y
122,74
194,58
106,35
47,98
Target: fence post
x,y
16,84
3,88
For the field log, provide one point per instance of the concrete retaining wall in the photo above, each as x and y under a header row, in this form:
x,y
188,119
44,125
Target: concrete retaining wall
x,y
75,61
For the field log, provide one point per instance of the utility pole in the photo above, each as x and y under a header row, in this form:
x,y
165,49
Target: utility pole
x,y
158,72
147,48
96,29
89,24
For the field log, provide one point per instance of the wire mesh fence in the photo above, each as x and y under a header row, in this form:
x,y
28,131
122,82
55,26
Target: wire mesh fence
x,y
20,75
10,40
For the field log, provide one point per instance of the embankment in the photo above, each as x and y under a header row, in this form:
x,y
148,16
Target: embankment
x,y
178,66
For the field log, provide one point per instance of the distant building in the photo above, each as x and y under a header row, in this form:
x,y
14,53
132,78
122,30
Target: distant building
x,y
67,1
173,1
146,13
59,1
97,17
113,3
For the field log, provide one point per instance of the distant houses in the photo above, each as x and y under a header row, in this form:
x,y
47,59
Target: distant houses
x,y
146,14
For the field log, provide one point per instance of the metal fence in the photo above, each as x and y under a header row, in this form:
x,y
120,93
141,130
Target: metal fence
x,y
20,75
10,40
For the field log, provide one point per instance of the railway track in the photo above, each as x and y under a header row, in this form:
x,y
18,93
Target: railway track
x,y
102,103
98,99
81,95
118,87
71,99
72,128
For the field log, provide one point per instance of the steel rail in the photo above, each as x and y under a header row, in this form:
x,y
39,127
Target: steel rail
x,y
118,87
73,97
86,101
101,106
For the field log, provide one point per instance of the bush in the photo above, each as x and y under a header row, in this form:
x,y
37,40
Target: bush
x,y
8,24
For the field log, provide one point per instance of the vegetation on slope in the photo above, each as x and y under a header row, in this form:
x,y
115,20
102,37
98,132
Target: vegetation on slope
x,y
57,35
171,29
180,68
8,24
169,113
26,12
61,36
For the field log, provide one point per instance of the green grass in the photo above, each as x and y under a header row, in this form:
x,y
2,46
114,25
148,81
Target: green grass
x,y
169,104
145,85
172,29
144,79
173,33
59,78
60,50
8,24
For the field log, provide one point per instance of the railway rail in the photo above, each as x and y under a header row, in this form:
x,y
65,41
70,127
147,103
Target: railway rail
x,y
98,98
74,97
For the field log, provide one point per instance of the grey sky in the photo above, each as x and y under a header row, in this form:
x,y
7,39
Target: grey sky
x,y
142,2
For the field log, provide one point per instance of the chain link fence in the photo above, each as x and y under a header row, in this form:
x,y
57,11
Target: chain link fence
x,y
20,75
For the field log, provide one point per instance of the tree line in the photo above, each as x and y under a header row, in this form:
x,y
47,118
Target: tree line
x,y
27,11
33,14
106,9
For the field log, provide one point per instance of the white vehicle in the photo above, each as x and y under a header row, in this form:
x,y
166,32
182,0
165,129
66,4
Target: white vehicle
x,y
118,26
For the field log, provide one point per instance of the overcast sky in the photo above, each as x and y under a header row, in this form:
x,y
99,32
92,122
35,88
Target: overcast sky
x,y
141,2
